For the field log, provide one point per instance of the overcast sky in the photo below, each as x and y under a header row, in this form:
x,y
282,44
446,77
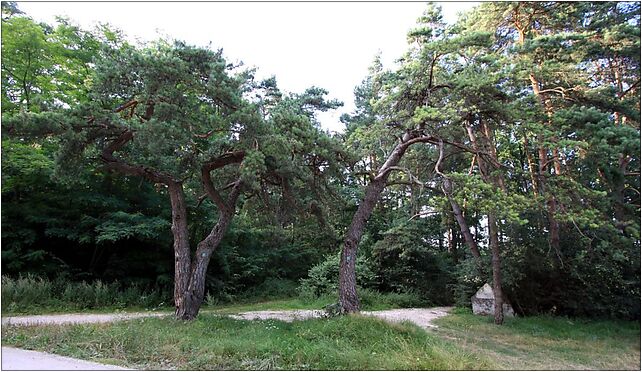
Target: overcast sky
x,y
329,45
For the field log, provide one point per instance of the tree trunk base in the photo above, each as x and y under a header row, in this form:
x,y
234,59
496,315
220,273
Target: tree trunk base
x,y
188,311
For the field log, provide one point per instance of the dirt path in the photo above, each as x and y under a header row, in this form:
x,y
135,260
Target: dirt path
x,y
76,318
421,317
25,360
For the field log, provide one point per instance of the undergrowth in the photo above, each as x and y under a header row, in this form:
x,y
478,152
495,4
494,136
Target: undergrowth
x,y
34,295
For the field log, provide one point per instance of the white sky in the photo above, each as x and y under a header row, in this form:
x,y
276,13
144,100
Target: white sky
x,y
329,45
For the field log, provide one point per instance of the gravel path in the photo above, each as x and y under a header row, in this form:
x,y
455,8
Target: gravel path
x,y
76,318
421,317
25,360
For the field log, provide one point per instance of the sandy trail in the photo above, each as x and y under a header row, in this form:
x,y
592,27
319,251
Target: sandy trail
x,y
423,317
76,318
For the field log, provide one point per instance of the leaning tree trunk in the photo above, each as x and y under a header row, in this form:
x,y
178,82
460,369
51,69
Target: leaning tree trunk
x,y
348,298
193,294
493,230
464,228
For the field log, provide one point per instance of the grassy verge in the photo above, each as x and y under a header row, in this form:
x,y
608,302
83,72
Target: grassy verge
x,y
218,343
544,343
463,341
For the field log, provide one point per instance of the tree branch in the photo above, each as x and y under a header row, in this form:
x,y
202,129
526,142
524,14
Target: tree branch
x,y
107,156
206,179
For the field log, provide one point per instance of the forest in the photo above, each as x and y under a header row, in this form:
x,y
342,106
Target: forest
x,y
501,149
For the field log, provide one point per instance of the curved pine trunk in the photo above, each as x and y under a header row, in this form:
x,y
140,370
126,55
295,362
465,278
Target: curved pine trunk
x,y
464,228
348,298
195,291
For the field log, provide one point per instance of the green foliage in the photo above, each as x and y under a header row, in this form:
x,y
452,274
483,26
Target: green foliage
x,y
406,263
121,225
62,213
31,294
323,278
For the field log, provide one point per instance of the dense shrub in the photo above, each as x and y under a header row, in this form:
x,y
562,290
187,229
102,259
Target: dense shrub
x,y
403,263
601,279
323,278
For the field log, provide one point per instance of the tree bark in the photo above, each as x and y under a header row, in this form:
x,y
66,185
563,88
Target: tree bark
x,y
531,166
348,298
192,277
181,247
465,230
496,264
194,293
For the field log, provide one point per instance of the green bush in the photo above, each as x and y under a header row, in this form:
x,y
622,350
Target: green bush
x,y
405,263
469,280
272,288
323,278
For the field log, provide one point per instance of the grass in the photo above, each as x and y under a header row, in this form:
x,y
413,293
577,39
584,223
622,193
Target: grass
x,y
293,303
217,343
462,341
370,301
544,343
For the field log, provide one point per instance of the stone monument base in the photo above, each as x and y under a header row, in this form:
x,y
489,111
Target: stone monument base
x,y
484,303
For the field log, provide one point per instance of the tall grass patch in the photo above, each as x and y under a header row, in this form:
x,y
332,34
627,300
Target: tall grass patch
x,y
31,294
218,343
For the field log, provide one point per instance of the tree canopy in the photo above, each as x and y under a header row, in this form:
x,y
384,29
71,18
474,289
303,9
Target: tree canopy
x,y
503,148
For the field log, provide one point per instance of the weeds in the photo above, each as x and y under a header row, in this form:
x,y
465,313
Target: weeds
x,y
31,294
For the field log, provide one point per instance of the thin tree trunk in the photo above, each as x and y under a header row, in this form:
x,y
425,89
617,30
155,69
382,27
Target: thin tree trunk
x,y
463,227
493,231
531,166
496,264
454,250
551,204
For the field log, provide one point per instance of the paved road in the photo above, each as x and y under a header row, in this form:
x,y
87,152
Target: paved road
x,y
23,360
